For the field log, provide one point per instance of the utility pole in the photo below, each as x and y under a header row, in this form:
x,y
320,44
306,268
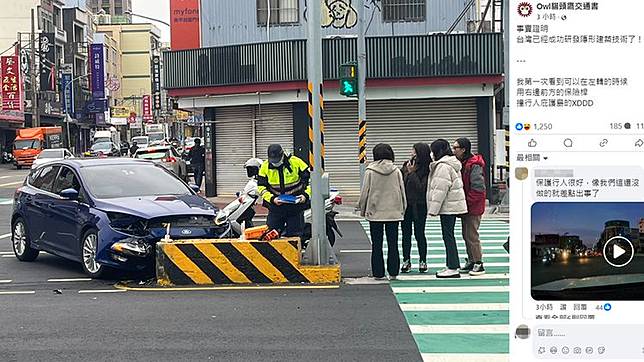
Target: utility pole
x,y
35,112
319,250
362,100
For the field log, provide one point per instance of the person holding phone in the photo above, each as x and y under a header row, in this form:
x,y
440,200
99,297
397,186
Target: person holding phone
x,y
415,176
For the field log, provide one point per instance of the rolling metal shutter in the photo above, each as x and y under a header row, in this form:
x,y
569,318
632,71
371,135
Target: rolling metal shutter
x,y
235,140
233,147
400,123
274,125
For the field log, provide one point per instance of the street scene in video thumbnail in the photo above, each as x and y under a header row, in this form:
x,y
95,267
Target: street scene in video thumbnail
x,y
587,251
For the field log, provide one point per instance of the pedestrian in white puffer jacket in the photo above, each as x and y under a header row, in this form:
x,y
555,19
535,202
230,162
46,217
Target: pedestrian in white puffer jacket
x,y
446,197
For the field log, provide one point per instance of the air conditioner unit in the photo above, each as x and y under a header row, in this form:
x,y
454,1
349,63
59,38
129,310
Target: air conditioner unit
x,y
104,19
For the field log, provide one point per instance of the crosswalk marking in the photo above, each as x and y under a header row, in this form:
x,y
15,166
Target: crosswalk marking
x,y
488,276
465,357
464,329
454,307
399,290
464,319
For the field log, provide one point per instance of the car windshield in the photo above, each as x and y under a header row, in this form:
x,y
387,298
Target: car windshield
x,y
152,154
51,154
20,144
131,180
102,140
156,137
102,146
140,140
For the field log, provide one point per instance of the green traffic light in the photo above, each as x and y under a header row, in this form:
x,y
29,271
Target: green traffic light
x,y
347,87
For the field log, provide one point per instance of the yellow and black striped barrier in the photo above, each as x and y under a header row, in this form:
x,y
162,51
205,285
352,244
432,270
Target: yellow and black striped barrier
x,y
362,141
226,262
310,108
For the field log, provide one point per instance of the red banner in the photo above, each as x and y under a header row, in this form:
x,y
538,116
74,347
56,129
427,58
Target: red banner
x,y
11,93
185,28
147,108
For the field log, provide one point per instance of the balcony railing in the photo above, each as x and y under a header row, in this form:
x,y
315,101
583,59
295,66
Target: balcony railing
x,y
387,57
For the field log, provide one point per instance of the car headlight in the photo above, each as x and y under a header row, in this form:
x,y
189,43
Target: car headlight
x,y
221,218
128,224
134,248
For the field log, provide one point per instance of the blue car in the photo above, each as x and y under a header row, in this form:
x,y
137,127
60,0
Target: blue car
x,y
107,213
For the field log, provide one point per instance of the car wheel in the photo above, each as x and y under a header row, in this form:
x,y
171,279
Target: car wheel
x,y
21,243
89,246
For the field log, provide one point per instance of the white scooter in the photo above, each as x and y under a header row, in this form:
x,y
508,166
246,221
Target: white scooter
x,y
240,212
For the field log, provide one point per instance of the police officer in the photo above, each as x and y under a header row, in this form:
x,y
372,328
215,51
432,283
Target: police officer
x,y
288,176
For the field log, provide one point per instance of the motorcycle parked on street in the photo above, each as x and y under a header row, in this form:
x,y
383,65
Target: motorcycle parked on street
x,y
240,212
7,157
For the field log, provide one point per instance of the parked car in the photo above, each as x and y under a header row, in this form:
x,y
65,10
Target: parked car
x,y
106,213
105,149
52,154
141,141
165,156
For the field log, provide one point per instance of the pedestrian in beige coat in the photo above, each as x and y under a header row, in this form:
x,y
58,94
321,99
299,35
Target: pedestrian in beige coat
x,y
446,197
383,203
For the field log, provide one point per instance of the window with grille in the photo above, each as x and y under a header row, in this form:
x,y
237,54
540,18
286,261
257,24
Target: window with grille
x,y
282,12
403,10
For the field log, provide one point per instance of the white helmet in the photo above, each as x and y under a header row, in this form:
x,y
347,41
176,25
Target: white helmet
x,y
254,162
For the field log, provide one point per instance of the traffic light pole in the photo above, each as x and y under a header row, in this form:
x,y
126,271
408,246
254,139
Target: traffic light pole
x,y
35,111
318,251
362,100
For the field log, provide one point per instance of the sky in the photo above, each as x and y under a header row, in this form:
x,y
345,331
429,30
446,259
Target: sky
x,y
158,9
583,219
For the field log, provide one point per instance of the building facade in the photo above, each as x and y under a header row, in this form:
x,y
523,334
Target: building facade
x,y
15,32
118,10
252,92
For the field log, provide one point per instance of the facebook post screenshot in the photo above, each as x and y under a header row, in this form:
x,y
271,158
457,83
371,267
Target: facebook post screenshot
x,y
577,203
320,180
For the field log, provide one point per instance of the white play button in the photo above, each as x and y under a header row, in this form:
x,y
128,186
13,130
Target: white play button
x,y
617,251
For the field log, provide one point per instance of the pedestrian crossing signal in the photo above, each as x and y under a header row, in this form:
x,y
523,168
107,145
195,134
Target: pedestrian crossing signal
x,y
349,79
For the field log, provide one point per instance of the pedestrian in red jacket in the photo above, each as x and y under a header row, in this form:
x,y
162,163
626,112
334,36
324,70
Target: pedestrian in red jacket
x,y
473,174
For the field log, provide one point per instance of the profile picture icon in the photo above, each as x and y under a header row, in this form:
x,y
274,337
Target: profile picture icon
x,y
525,9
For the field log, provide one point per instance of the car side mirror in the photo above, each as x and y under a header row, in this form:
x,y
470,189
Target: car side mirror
x,y
69,194
195,188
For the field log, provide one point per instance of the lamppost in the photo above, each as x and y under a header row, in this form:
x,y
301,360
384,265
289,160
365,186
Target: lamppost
x,y
128,12
67,116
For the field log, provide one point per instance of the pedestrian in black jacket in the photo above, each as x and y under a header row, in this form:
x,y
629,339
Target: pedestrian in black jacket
x,y
415,175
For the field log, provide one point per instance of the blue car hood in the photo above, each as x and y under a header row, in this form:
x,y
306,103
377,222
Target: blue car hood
x,y
149,207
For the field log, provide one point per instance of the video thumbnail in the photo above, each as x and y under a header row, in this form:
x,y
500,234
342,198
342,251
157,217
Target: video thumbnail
x,y
587,251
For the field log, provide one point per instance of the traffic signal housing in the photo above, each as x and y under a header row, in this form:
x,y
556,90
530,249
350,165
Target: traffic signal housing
x,y
349,79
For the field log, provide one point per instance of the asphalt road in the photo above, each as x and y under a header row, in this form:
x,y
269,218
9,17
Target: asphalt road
x,y
61,316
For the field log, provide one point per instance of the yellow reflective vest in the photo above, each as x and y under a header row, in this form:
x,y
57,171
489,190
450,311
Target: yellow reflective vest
x,y
291,178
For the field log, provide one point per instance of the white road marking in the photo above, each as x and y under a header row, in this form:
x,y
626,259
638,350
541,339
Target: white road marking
x,y
454,307
463,276
430,248
477,289
5,281
465,357
3,236
6,252
11,184
8,256
3,177
415,256
102,291
8,202
355,251
69,280
439,265
364,281
18,292
461,329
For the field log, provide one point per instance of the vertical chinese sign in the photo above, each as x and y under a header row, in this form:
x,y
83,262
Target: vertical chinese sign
x,y
47,48
147,108
156,83
68,92
11,92
98,71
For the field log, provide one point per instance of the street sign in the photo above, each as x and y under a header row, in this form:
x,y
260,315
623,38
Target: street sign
x,y
147,108
132,118
120,111
11,93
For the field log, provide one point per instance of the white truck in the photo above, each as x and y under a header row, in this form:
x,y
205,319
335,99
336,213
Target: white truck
x,y
156,133
111,135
